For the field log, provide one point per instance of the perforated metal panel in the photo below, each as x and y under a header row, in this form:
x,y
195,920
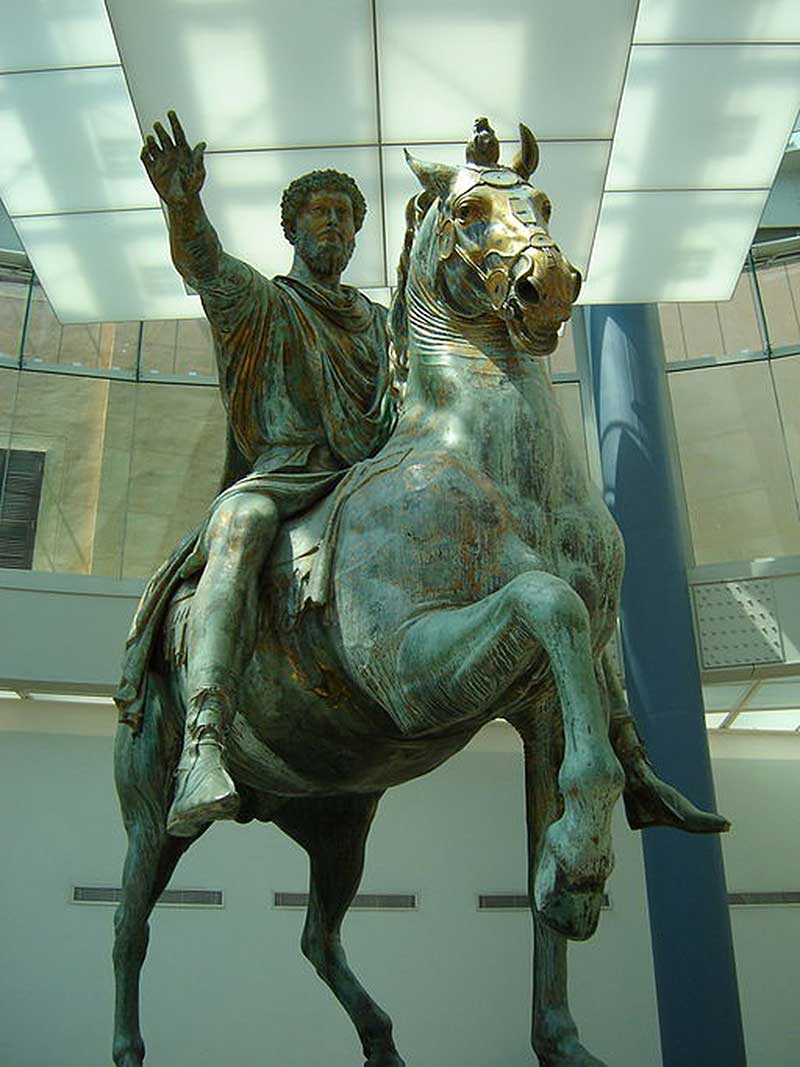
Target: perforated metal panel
x,y
176,898
361,902
737,623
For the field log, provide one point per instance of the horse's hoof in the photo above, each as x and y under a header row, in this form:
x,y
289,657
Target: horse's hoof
x,y
556,1042
650,801
573,911
573,1056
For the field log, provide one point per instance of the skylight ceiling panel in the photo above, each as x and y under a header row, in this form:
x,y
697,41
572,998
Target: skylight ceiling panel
x,y
242,195
41,34
571,173
70,143
671,246
788,720
250,75
677,21
110,266
780,693
705,117
443,64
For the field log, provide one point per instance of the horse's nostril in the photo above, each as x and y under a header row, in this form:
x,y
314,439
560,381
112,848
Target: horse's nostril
x,y
577,283
527,291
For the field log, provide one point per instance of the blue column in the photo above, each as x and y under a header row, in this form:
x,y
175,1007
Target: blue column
x,y
695,969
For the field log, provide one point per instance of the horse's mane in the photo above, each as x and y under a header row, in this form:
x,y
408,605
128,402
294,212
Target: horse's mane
x,y
416,209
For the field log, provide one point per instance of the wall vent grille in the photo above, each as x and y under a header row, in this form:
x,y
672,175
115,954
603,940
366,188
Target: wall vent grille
x,y
361,902
174,898
513,902
789,896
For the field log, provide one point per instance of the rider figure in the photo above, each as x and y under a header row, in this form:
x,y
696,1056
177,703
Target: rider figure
x,y
303,371
305,380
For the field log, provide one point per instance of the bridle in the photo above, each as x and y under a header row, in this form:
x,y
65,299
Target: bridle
x,y
498,280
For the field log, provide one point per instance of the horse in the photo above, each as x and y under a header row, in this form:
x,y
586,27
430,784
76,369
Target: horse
x,y
474,574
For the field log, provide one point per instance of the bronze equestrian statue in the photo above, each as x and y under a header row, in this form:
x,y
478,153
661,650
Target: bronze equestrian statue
x,y
304,650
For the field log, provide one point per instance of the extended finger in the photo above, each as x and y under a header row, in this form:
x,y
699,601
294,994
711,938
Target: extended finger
x,y
177,129
151,147
197,152
163,136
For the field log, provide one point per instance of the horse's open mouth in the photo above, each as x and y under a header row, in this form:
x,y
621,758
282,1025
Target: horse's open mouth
x,y
535,340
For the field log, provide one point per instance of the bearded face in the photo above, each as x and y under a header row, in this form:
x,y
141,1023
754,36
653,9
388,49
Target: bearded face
x,y
324,235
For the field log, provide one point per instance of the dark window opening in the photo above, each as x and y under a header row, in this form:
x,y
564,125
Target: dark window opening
x,y
21,474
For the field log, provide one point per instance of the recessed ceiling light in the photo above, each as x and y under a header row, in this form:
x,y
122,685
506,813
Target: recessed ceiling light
x,y
72,698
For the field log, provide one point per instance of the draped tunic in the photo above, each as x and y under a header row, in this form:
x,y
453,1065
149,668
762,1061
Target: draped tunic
x,y
305,380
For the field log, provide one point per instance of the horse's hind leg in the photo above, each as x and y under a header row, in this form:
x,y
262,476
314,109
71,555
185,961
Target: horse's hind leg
x,y
150,861
333,831
460,662
554,1034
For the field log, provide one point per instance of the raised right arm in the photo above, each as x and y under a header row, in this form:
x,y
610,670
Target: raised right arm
x,y
177,173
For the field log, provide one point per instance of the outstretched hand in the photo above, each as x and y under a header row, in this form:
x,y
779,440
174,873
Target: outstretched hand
x,y
176,170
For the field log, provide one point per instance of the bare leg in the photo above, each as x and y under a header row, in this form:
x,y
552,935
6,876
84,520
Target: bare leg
x,y
222,634
334,833
151,859
460,662
554,1034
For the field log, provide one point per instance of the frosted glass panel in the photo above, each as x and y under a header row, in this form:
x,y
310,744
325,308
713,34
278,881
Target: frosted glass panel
x,y
443,64
702,331
54,33
654,247
738,102
767,720
243,193
570,173
70,143
250,75
176,460
723,697
735,468
777,694
112,266
779,284
183,347
718,20
379,296
713,722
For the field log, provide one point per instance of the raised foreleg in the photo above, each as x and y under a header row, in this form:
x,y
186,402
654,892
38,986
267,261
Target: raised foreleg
x,y
334,832
554,1035
455,664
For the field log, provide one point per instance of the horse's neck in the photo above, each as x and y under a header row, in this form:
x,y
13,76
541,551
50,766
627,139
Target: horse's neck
x,y
436,333
468,367
469,392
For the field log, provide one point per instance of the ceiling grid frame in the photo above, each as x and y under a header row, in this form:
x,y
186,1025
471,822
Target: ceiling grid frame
x,y
692,28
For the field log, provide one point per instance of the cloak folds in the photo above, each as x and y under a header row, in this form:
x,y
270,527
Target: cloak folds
x,y
303,372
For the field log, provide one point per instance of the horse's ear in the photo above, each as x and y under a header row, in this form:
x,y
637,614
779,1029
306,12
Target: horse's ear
x,y
527,159
435,177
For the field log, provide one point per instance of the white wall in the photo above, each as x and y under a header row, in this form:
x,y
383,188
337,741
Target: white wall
x,y
758,788
456,981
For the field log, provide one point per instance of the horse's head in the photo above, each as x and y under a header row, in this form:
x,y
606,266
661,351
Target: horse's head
x,y
485,240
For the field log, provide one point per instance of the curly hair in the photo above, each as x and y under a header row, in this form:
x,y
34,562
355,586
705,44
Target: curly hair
x,y
297,193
